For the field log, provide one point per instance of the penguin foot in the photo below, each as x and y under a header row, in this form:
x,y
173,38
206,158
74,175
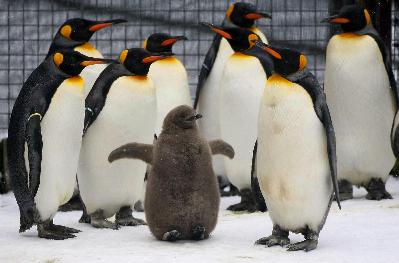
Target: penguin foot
x,y
138,206
305,245
273,241
278,237
103,223
98,221
171,236
85,218
74,204
345,190
64,229
199,233
376,190
47,230
247,202
124,218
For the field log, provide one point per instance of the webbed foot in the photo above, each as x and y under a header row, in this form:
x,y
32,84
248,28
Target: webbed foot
x,y
124,218
376,190
279,237
98,221
47,230
171,236
199,233
247,202
305,245
345,190
74,204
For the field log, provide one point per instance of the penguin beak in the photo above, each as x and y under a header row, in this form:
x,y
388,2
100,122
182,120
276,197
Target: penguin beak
x,y
93,61
268,49
257,15
151,59
171,41
194,117
100,25
217,30
335,19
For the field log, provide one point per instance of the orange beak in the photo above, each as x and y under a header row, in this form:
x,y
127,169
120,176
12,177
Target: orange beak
x,y
171,41
151,59
256,16
217,30
101,25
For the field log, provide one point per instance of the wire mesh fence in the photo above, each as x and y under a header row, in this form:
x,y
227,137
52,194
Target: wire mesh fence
x,y
27,27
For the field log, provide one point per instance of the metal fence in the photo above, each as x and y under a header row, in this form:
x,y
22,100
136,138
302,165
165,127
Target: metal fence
x,y
27,27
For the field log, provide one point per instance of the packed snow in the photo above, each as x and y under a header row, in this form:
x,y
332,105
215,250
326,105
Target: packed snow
x,y
363,231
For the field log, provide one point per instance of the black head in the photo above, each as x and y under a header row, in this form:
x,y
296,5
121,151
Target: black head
x,y
139,60
181,118
72,62
351,18
244,14
81,30
240,39
286,61
161,42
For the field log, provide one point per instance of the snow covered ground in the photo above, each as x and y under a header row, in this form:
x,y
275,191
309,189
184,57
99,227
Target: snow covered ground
x,y
363,231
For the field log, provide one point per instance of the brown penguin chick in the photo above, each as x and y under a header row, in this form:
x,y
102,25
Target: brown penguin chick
x,y
182,195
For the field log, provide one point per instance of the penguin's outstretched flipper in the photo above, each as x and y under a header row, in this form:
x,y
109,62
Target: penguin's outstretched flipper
x,y
221,147
310,83
95,100
35,145
133,151
260,201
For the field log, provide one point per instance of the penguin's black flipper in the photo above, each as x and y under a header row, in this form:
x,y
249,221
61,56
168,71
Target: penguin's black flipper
x,y
311,85
35,145
133,150
388,64
97,96
259,200
207,66
221,147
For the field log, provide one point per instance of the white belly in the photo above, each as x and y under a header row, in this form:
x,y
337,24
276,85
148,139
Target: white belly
x,y
61,128
209,101
362,109
292,164
241,92
171,86
129,115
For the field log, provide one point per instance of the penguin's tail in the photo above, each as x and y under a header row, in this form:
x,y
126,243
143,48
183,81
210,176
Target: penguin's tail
x,y
395,170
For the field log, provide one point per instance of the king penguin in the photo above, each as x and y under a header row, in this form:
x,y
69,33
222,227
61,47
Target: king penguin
x,y
358,70
121,107
75,34
169,76
44,140
296,157
207,100
241,88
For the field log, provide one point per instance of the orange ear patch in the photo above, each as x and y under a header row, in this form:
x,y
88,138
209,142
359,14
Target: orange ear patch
x,y
368,17
58,58
303,62
229,11
66,31
123,55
